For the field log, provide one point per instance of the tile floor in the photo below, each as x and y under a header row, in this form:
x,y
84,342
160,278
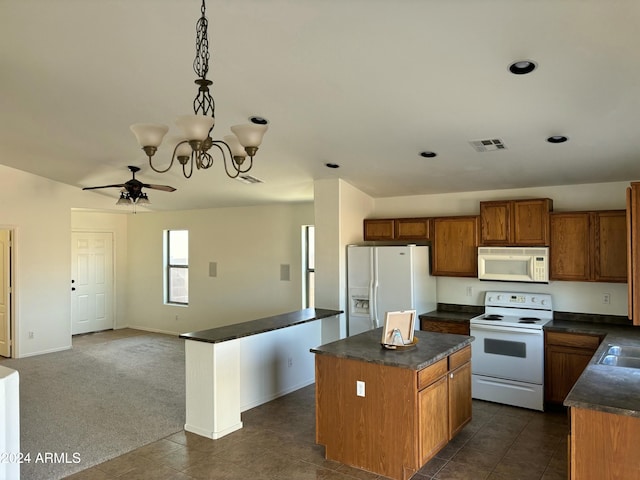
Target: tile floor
x,y
277,443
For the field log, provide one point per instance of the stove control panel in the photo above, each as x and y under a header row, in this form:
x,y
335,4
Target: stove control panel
x,y
518,300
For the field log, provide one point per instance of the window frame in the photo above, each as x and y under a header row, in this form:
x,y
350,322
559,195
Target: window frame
x,y
171,267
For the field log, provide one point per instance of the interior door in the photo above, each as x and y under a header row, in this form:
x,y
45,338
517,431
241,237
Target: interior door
x,y
91,282
5,293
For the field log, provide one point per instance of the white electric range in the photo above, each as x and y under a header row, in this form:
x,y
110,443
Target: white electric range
x,y
508,351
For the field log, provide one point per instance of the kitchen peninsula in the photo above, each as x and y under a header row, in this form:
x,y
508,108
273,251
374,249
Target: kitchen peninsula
x,y
236,367
390,411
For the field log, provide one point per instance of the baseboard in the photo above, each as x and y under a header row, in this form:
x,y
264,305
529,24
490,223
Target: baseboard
x,y
42,352
281,393
152,330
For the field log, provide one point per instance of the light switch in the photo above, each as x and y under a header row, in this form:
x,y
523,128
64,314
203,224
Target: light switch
x,y
359,388
213,269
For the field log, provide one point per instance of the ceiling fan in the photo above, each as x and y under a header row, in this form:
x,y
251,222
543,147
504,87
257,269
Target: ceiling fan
x,y
132,189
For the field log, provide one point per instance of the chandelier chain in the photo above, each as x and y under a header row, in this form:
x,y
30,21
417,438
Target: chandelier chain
x,y
201,62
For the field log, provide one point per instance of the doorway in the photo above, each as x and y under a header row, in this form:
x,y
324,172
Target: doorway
x,y
5,292
91,282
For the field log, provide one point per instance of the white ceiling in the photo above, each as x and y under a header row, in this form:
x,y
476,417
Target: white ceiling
x,y
366,84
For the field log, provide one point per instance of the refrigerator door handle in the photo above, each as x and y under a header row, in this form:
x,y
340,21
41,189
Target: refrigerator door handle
x,y
373,289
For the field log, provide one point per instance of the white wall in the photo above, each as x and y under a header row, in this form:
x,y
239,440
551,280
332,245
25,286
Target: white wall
x,y
339,210
584,297
39,212
248,244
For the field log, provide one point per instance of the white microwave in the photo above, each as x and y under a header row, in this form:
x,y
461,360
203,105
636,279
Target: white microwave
x,y
514,264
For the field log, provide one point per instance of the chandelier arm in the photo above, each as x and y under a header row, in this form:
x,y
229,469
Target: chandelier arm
x,y
221,145
173,158
238,169
184,166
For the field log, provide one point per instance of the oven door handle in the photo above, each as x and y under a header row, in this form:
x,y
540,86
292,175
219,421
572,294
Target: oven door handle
x,y
491,328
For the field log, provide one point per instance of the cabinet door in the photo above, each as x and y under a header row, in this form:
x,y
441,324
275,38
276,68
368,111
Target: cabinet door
x,y
563,366
495,223
610,240
570,246
459,398
455,246
531,222
412,229
379,229
433,421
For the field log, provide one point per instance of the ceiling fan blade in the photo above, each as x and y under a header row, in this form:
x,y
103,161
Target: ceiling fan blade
x,y
165,188
120,185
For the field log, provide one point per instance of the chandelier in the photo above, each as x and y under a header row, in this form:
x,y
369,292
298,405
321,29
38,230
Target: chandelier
x,y
194,148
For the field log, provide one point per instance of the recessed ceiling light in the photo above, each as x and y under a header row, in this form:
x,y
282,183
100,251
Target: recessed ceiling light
x,y
522,67
428,154
332,165
557,139
258,120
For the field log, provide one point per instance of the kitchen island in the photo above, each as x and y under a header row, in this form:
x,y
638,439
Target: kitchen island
x,y
390,411
232,368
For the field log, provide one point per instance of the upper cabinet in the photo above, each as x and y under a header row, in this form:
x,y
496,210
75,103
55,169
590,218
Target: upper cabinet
x,y
589,246
515,222
455,246
415,229
379,229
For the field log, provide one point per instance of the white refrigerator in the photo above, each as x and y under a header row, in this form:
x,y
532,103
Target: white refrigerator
x,y
387,279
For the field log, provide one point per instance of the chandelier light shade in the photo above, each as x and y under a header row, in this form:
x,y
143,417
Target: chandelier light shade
x,y
194,148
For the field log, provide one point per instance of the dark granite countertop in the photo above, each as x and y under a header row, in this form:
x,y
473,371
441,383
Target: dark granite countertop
x,y
448,312
261,325
602,387
366,347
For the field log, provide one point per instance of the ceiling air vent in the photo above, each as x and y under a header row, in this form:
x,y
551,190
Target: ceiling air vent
x,y
248,179
488,145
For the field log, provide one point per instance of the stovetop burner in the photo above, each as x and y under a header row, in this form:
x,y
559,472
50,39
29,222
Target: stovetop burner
x,y
528,320
493,317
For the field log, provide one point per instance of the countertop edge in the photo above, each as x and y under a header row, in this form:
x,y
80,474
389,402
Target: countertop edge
x,y
261,325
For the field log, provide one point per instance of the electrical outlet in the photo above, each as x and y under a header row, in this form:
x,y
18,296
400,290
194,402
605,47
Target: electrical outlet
x,y
289,362
30,334
606,298
469,291
359,388
177,318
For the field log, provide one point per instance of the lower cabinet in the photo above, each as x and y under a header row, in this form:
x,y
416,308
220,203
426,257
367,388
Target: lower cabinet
x,y
444,405
603,445
431,324
566,357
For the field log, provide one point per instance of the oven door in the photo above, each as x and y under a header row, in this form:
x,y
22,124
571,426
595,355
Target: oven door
x,y
508,352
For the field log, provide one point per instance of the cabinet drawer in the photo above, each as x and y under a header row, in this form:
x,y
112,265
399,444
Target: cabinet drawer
x,y
460,357
428,375
573,340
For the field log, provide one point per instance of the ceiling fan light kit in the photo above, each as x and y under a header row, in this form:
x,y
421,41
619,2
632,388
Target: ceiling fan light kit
x,y
131,191
197,128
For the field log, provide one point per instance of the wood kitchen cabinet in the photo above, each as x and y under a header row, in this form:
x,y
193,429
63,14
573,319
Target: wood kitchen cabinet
x,y
379,229
589,246
431,324
515,222
566,357
382,229
455,246
603,445
633,251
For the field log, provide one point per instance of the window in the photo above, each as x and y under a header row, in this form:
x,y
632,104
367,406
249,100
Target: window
x,y
177,266
308,266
